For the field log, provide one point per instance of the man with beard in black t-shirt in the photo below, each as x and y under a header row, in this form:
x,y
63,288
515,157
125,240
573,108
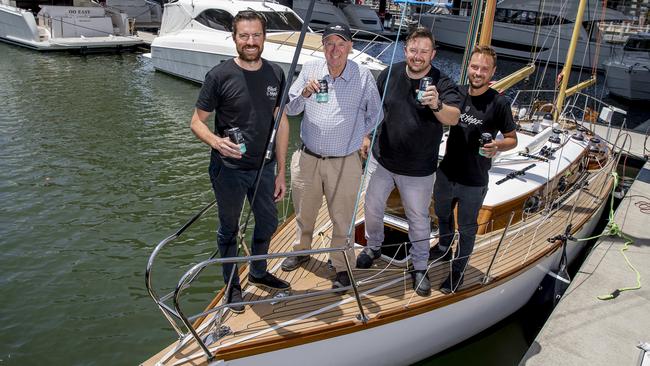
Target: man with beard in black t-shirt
x,y
405,153
462,179
244,92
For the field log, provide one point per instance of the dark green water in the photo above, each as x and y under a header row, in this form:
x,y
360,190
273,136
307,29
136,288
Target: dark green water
x,y
97,165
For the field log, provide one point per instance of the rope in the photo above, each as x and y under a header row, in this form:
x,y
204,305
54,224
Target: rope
x,y
613,229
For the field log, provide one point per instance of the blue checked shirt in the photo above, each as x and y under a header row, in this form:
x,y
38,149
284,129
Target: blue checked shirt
x,y
336,128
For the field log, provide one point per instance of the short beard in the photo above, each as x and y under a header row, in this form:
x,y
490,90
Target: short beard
x,y
474,86
249,58
413,71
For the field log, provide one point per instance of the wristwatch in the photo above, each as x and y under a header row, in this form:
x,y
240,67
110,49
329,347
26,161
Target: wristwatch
x,y
438,108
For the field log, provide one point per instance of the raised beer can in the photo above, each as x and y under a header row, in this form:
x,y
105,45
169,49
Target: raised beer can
x,y
322,96
424,83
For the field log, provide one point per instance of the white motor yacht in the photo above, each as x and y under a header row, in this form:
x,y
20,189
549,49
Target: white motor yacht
x,y
147,13
524,32
360,18
197,35
84,28
628,76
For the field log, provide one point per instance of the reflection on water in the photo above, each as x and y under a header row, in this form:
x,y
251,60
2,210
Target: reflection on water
x,y
97,164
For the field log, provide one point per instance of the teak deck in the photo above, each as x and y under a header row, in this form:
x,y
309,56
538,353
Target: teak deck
x,y
389,296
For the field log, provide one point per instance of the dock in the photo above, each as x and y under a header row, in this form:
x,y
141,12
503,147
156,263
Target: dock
x,y
147,37
637,145
584,330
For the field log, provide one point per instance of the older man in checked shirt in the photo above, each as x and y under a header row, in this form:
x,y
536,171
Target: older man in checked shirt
x,y
332,133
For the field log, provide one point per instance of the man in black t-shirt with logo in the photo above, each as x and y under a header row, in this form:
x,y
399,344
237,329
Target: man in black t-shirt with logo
x,y
405,153
462,178
244,92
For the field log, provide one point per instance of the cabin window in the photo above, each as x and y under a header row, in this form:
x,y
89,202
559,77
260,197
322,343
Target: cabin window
x,y
216,19
637,44
527,17
282,21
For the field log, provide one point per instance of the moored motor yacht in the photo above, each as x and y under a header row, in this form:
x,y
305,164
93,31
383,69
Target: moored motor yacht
x,y
197,35
85,28
147,13
360,18
524,29
628,75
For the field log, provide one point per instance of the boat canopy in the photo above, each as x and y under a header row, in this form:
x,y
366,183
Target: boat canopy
x,y
218,15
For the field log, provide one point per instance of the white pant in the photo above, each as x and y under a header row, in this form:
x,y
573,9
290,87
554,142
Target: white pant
x,y
415,193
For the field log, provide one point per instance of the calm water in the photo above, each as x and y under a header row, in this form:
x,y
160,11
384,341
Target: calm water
x,y
97,165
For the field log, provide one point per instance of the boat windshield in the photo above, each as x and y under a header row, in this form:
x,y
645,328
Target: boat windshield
x,y
637,44
275,21
282,21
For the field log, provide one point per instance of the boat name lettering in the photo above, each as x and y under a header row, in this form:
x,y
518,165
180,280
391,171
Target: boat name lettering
x,y
78,11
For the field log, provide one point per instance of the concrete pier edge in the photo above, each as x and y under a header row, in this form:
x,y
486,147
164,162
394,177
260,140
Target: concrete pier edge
x,y
583,330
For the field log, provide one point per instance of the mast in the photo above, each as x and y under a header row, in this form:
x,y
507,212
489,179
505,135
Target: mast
x,y
566,71
488,22
472,37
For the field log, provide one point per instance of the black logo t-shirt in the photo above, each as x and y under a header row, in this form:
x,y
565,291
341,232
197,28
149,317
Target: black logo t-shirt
x,y
488,112
244,99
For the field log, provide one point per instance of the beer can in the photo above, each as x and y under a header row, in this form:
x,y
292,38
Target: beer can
x,y
485,138
322,96
424,83
235,135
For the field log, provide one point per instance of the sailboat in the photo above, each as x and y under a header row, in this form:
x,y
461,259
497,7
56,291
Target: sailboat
x,y
542,198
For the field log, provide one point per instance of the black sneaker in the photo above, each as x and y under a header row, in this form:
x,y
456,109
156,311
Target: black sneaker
x,y
234,296
342,280
421,283
269,281
366,257
436,253
449,286
291,263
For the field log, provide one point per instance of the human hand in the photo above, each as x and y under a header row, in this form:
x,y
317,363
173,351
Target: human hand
x,y
227,148
489,150
310,88
280,187
430,97
365,146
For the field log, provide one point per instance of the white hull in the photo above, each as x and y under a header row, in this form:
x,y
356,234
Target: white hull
x,y
629,79
173,55
190,54
19,27
412,339
516,40
188,48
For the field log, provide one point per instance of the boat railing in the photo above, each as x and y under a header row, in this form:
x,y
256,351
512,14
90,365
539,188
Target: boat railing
x,y
370,41
617,32
175,314
169,313
579,107
193,273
